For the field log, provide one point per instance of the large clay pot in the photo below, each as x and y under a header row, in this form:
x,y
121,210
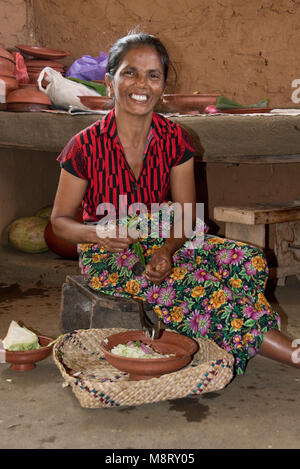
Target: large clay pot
x,y
58,246
27,98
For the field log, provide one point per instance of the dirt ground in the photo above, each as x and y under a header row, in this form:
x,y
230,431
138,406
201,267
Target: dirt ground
x,y
257,410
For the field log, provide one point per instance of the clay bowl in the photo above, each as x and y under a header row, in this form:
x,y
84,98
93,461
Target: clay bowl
x,y
6,55
7,67
43,52
99,103
10,83
25,361
146,368
27,98
33,76
36,63
186,103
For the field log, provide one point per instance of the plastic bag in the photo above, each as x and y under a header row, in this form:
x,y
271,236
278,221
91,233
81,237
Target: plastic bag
x,y
89,68
63,92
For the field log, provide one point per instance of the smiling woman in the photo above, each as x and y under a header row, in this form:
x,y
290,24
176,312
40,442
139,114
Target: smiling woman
x,y
138,157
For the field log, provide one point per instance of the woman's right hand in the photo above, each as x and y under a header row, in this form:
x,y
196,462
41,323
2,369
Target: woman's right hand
x,y
115,242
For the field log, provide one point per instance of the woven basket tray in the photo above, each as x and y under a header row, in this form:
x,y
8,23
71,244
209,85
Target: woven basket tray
x,y
96,383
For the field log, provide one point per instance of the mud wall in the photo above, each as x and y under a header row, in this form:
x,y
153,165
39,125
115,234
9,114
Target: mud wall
x,y
245,50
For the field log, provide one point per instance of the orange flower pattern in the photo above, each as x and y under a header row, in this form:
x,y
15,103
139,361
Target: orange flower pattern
x,y
215,291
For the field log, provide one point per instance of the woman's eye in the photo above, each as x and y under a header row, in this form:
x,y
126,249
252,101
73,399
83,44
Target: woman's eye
x,y
154,76
129,72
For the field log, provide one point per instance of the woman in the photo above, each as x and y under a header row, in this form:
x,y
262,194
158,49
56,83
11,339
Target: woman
x,y
215,291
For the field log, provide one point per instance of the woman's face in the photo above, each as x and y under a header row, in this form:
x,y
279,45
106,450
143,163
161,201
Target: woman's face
x,y
138,82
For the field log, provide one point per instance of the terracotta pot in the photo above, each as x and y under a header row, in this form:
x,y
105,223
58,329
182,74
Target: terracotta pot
x,y
186,103
100,103
145,368
28,94
10,83
59,246
25,361
6,55
42,63
23,107
33,76
7,67
42,52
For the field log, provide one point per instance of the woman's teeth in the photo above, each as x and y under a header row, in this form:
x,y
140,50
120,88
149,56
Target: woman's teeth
x,y
139,97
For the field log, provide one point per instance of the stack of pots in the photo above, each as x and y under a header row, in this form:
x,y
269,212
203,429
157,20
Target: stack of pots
x,y
35,66
8,80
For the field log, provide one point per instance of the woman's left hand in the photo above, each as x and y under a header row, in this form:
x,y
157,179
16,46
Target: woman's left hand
x,y
160,265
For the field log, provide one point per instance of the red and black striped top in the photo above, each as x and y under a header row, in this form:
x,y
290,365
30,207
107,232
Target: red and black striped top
x,y
96,154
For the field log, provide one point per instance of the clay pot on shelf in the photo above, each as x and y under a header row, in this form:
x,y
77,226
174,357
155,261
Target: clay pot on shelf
x,y
7,67
34,75
5,54
7,85
27,98
100,103
186,103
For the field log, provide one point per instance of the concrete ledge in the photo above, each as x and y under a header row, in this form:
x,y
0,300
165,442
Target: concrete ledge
x,y
46,269
220,138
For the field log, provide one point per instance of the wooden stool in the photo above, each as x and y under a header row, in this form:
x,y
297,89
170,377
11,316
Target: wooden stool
x,y
250,224
83,308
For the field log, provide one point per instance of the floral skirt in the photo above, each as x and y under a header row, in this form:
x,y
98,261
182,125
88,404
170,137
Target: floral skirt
x,y
215,291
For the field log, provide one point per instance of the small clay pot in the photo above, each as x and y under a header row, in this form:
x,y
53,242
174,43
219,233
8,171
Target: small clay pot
x,y
145,368
42,52
33,76
7,67
25,361
36,63
6,55
100,103
27,98
186,103
11,83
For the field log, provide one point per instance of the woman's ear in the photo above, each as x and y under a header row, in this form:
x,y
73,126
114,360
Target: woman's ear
x,y
109,87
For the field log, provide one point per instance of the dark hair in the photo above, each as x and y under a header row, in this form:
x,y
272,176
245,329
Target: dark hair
x,y
123,45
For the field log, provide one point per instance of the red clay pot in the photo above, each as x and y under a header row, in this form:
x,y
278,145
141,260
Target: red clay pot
x,y
59,246
186,103
28,93
11,83
100,103
25,361
145,368
7,67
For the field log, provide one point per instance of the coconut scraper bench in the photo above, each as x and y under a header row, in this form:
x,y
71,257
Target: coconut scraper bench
x,y
83,308
272,227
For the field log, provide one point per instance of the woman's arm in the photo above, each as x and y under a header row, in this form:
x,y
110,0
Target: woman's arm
x,y
69,195
182,191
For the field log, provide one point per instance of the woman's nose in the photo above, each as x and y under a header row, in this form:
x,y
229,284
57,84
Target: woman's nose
x,y
141,79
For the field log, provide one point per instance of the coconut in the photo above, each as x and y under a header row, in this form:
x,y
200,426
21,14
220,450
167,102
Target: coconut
x,y
27,234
